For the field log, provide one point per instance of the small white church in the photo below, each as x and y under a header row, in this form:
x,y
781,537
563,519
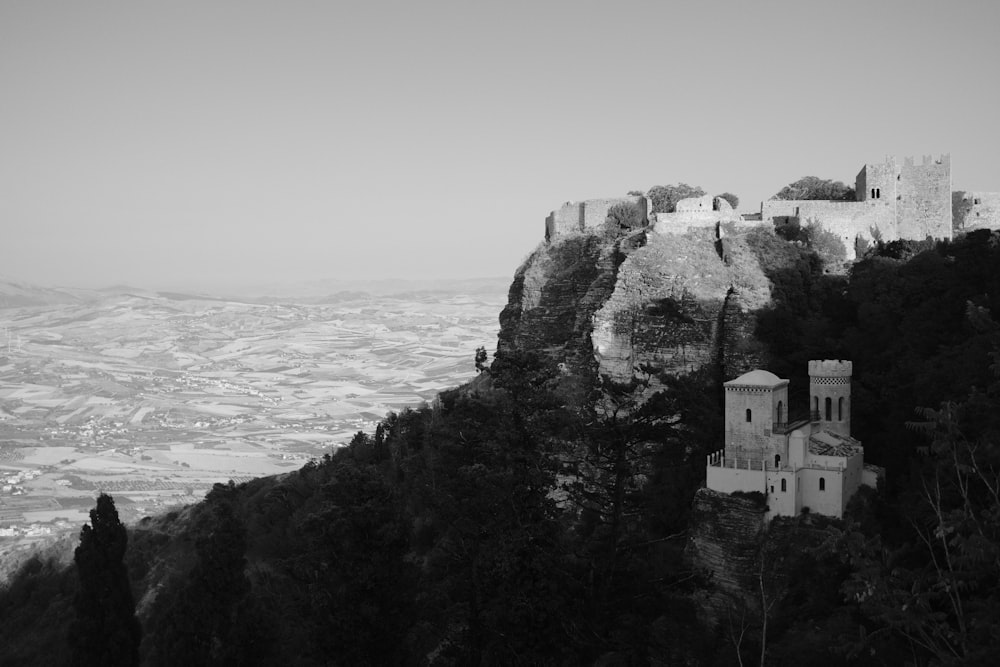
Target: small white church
x,y
810,462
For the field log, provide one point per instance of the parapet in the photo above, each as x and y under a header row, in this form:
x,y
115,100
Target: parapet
x,y
830,368
695,204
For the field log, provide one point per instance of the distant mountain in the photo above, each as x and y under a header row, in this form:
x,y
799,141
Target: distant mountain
x,y
16,294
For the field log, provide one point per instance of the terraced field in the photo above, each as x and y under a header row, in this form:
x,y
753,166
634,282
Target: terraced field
x,y
156,397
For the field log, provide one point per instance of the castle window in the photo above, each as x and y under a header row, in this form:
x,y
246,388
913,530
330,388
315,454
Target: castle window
x,y
748,414
829,409
840,409
783,487
975,201
873,193
777,462
781,412
878,193
822,484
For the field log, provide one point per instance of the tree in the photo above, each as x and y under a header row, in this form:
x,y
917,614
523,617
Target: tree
x,y
481,358
812,187
733,200
105,631
665,197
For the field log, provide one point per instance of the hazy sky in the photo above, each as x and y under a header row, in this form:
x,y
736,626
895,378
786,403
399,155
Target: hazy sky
x,y
168,143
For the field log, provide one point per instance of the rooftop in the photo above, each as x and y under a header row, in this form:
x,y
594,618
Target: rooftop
x,y
825,443
757,378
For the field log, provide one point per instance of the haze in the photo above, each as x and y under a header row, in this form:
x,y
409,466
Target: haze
x,y
166,144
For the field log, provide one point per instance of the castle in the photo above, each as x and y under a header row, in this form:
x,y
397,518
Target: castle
x,y
893,201
797,463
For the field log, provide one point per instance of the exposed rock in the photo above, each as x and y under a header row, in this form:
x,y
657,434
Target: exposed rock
x,y
724,543
645,302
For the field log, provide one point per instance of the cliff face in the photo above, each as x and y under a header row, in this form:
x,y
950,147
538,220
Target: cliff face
x,y
672,303
724,544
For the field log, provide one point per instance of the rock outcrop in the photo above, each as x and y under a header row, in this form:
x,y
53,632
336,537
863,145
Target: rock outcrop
x,y
641,303
724,543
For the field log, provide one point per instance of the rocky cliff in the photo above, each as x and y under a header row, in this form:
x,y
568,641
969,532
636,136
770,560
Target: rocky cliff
x,y
645,302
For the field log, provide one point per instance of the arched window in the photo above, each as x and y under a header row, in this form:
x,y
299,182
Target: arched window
x,y
829,409
840,409
777,460
748,414
781,412
822,484
816,406
783,488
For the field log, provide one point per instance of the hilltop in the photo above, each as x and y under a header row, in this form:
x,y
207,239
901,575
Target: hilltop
x,y
542,513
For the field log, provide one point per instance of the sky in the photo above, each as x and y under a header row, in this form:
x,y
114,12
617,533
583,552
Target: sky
x,y
213,143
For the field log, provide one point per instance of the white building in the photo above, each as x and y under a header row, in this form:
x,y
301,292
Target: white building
x,y
809,462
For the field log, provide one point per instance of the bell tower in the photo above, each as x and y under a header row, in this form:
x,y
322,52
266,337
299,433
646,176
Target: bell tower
x,y
830,395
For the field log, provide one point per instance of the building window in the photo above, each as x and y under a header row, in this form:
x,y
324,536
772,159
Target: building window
x,y
783,487
781,412
822,484
777,462
829,409
840,409
975,201
873,193
748,414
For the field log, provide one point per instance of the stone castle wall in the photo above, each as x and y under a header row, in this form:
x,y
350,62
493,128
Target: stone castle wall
x,y
977,210
588,215
923,199
848,220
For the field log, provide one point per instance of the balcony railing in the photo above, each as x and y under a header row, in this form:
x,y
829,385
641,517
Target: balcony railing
x,y
787,427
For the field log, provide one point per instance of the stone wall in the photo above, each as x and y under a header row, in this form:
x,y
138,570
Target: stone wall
x,y
848,220
923,199
589,215
704,203
566,219
878,182
977,210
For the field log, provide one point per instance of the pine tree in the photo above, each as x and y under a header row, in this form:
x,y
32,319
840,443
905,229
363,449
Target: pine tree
x,y
105,631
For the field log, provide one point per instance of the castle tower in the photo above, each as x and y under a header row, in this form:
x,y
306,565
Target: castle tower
x,y
755,402
830,395
877,182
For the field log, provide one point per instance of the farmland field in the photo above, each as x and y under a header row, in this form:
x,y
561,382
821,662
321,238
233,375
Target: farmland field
x,y
154,398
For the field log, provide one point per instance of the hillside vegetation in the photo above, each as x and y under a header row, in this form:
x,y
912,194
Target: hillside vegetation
x,y
501,526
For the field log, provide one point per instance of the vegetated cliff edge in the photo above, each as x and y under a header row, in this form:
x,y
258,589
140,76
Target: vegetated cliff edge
x,y
659,305
643,303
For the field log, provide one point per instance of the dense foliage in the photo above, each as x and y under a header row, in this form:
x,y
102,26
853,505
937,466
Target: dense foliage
x,y
813,187
664,198
498,526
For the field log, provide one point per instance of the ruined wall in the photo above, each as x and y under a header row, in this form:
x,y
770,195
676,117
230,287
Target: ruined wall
x,y
923,199
595,211
566,219
846,219
977,210
588,215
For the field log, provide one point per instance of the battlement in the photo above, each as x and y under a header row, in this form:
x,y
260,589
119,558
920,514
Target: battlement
x,y
927,161
830,368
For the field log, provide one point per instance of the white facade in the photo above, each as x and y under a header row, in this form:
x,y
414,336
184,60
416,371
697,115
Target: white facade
x,y
810,462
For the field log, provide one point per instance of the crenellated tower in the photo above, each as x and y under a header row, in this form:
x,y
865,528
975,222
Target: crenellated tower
x,y
830,394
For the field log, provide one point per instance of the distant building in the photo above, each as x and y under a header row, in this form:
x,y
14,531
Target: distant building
x,y
893,200
808,462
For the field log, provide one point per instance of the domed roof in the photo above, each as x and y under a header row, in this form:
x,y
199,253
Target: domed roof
x,y
758,378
